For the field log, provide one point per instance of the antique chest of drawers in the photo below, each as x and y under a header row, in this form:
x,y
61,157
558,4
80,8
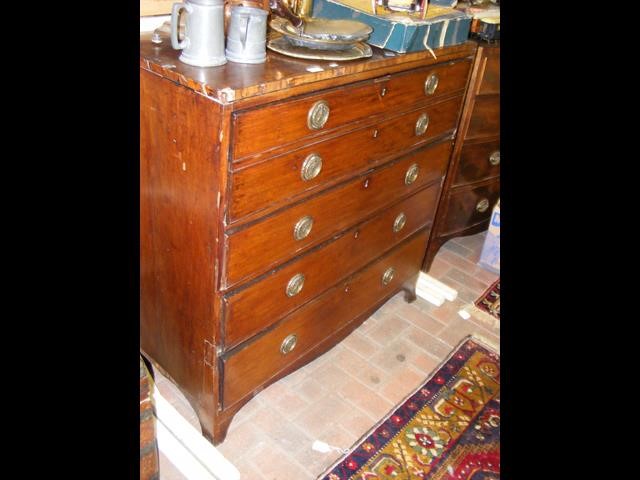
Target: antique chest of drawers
x,y
472,186
281,205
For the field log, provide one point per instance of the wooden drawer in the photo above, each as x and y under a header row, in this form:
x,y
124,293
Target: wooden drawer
x,y
273,182
461,210
490,83
260,360
261,129
261,304
268,243
478,161
485,119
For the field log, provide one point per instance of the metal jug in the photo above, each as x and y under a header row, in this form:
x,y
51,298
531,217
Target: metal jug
x,y
247,36
203,42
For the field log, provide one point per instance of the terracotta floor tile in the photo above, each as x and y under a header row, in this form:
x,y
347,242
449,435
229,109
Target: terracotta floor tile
x,y
460,328
439,267
471,242
364,398
311,390
467,280
465,294
280,397
281,431
327,412
362,370
358,343
429,343
425,363
457,248
387,330
401,385
274,463
455,260
242,439
419,318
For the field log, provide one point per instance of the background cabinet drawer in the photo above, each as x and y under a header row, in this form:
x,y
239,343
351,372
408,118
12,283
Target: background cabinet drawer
x,y
485,119
266,244
261,304
260,360
274,181
466,207
478,161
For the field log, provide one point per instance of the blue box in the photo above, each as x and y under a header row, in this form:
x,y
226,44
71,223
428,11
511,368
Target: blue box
x,y
401,32
490,255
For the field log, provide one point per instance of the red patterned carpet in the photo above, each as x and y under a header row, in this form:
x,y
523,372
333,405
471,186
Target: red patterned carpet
x,y
448,429
489,302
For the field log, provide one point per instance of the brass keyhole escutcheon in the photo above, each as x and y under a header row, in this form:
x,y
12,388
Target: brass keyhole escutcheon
x,y
412,174
311,167
303,227
399,222
388,275
430,84
295,285
289,343
318,115
494,158
422,124
482,205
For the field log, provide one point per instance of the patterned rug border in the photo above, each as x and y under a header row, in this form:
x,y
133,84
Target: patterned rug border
x,y
479,314
481,340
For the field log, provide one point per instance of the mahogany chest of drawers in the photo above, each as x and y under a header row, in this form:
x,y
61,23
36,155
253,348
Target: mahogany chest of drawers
x,y
472,186
281,206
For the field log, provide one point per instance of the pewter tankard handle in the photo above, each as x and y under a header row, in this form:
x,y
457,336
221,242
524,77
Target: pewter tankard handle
x,y
175,15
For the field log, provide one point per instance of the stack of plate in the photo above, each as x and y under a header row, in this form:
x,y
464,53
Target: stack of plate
x,y
321,38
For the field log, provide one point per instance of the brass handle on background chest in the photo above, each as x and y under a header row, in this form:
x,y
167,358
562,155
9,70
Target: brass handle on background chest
x,y
388,275
494,158
422,124
311,167
430,84
482,205
289,343
303,227
318,115
295,285
412,174
399,222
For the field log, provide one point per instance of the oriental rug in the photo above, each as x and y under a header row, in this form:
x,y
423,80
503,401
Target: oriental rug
x,y
487,307
449,428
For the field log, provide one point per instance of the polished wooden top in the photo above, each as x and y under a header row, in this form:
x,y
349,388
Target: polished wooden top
x,y
235,81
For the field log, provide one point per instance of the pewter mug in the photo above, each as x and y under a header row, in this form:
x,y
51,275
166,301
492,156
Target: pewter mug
x,y
203,42
247,35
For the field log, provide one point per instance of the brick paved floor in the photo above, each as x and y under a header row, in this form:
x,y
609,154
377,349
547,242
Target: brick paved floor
x,y
340,395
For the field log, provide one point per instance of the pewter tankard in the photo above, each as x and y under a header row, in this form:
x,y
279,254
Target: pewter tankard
x,y
203,42
247,36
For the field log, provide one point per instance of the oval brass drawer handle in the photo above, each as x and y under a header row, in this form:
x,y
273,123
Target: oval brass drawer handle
x,y
388,275
430,84
289,343
318,115
295,285
303,227
311,167
412,174
422,124
482,205
399,222
494,158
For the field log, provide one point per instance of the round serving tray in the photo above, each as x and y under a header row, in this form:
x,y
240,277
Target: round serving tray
x,y
324,34
355,51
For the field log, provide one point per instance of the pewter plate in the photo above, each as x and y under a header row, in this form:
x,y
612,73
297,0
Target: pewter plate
x,y
283,46
324,30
